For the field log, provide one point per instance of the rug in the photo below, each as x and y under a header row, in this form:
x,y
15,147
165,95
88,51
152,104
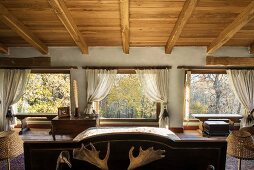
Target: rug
x,y
231,164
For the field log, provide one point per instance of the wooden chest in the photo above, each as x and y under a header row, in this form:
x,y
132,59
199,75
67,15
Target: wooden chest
x,y
216,128
71,126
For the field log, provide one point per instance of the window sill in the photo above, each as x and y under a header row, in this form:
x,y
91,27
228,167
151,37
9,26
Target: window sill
x,y
128,122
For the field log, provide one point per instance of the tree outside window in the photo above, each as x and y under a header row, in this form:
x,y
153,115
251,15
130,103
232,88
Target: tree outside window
x,y
212,94
127,100
44,93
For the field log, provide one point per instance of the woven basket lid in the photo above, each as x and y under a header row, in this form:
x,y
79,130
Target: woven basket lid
x,y
248,129
11,144
240,145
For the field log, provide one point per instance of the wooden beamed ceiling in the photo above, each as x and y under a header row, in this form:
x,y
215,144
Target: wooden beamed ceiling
x,y
125,30
18,27
3,49
252,48
241,20
127,23
65,17
184,16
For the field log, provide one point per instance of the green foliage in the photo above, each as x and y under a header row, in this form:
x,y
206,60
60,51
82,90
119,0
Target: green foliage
x,y
126,100
44,93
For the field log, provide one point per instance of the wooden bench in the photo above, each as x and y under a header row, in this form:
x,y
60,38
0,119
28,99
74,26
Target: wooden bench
x,y
234,118
23,119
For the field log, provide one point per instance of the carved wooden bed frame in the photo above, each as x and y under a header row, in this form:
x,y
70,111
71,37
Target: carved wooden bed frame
x,y
178,154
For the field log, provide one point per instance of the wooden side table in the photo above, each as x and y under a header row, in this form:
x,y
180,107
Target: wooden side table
x,y
24,116
71,126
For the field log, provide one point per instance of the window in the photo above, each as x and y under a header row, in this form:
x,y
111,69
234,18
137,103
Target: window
x,y
210,94
126,100
44,93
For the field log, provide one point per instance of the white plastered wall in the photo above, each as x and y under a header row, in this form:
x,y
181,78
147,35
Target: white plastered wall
x,y
139,56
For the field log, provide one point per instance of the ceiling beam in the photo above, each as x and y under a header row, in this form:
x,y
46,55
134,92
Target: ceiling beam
x,y
3,49
252,48
184,16
25,62
65,17
242,19
125,30
17,26
229,61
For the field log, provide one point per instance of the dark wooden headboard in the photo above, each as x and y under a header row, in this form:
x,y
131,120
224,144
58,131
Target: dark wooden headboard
x,y
179,155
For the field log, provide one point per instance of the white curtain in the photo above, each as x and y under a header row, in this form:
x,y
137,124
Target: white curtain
x,y
156,87
99,83
11,90
242,82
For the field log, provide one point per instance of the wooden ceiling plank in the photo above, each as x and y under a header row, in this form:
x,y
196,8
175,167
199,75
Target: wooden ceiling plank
x,y
3,49
252,48
125,30
65,17
242,19
184,16
17,26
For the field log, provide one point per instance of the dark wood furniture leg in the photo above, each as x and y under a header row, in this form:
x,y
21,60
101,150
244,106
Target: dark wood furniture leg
x,y
24,126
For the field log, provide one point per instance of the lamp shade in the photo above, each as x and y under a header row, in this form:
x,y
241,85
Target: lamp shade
x,y
11,145
241,145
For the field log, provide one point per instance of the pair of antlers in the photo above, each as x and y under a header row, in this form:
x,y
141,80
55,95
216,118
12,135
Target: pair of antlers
x,y
92,156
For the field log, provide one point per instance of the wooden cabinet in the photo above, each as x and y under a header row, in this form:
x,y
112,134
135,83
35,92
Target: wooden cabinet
x,y
71,126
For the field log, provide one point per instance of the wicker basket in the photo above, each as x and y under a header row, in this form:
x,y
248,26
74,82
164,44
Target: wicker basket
x,y
10,145
241,145
248,129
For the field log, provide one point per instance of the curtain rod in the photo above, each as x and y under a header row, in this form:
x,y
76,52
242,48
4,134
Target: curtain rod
x,y
127,67
215,67
40,67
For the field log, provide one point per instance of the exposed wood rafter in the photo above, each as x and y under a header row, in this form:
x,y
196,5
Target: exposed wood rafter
x,y
65,17
125,30
230,61
243,18
252,48
185,14
3,49
25,62
7,18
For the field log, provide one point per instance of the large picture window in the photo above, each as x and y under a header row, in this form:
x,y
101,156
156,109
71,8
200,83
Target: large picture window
x,y
44,93
211,94
127,100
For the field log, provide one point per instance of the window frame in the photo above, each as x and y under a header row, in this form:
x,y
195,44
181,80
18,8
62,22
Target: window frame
x,y
50,71
198,71
129,120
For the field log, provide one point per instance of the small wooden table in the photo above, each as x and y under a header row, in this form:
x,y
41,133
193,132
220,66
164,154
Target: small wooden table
x,y
71,126
234,118
23,117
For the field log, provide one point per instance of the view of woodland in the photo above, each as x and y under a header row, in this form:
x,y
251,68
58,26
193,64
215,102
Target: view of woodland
x,y
126,100
44,93
212,94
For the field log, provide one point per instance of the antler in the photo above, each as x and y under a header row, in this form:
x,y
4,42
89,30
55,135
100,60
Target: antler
x,y
63,158
144,157
92,156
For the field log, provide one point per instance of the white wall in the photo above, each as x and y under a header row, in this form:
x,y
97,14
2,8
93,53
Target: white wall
x,y
139,56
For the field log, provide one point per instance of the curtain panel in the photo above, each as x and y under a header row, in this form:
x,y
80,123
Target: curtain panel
x,y
242,83
12,85
156,87
99,83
